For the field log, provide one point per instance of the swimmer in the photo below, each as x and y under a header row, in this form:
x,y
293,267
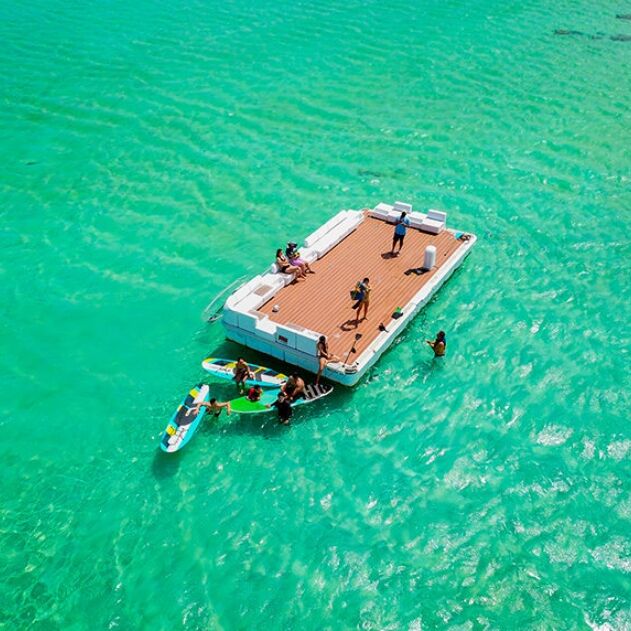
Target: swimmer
x,y
439,345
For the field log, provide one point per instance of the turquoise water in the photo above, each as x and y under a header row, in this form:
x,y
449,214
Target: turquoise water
x,y
152,153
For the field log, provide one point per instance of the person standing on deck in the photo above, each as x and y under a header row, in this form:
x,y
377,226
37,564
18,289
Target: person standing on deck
x,y
400,231
363,300
439,344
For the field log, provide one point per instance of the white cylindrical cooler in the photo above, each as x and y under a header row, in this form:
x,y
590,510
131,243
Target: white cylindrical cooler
x,y
430,257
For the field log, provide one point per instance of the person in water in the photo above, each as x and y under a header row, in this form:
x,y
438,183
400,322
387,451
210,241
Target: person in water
x,y
294,258
254,393
294,387
400,231
324,357
212,406
439,344
362,296
242,373
283,407
286,267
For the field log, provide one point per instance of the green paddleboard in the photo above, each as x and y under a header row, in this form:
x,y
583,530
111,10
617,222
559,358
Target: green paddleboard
x,y
243,405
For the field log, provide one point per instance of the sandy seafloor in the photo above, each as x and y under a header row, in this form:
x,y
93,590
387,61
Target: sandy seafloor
x,y
153,153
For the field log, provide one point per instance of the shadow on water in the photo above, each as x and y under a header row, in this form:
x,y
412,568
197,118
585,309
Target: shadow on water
x,y
164,465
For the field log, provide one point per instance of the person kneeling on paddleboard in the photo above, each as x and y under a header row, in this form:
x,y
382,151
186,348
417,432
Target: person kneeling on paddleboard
x,y
254,393
294,387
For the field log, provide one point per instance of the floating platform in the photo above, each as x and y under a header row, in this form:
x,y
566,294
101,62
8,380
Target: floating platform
x,y
277,315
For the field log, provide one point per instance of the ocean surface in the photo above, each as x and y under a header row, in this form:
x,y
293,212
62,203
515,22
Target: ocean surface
x,y
153,153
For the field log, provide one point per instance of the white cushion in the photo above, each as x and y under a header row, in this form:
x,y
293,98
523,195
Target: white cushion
x,y
393,216
437,215
327,227
416,219
244,290
273,280
435,227
308,254
333,237
382,206
287,278
380,211
249,303
402,207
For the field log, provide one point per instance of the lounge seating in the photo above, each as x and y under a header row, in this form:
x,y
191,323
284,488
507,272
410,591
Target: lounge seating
x,y
380,211
434,222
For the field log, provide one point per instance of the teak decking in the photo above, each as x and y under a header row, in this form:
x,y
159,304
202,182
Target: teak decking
x,y
322,302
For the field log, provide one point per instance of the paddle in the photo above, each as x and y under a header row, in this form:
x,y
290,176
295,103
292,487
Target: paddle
x,y
358,336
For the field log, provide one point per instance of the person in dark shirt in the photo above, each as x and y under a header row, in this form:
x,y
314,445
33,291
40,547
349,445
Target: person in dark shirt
x,y
283,407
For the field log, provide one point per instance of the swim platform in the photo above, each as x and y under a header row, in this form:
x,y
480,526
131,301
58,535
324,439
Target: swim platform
x,y
281,317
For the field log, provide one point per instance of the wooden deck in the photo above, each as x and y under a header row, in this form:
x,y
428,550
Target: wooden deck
x,y
322,302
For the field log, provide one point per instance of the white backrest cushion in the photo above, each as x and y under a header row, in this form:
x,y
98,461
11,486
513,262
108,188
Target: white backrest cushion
x,y
437,215
402,207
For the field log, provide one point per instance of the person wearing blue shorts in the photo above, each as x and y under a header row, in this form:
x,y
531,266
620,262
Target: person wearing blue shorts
x,y
399,232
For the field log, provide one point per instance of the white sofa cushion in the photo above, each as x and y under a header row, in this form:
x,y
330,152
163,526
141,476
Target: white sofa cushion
x,y
333,237
437,215
416,219
308,254
249,303
243,291
393,216
327,227
272,280
380,211
402,207
434,227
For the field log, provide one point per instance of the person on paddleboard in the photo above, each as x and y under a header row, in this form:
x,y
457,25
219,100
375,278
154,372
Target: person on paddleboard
x,y
294,387
213,406
439,344
242,373
254,393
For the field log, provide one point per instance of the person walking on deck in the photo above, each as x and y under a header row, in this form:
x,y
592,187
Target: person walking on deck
x,y
362,295
439,345
400,231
